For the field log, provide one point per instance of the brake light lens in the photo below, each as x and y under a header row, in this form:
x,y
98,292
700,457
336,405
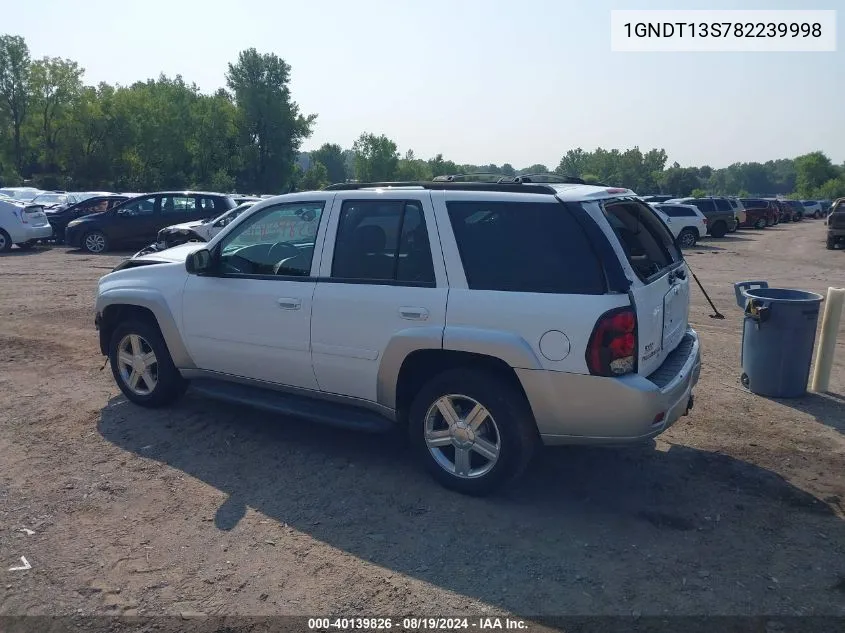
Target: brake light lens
x,y
612,350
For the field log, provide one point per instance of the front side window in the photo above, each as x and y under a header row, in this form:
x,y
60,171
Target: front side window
x,y
277,240
383,241
525,247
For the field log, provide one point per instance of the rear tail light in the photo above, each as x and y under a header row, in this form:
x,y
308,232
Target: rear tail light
x,y
612,350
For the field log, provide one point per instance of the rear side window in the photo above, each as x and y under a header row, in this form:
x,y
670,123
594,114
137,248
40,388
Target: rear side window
x,y
705,206
383,241
678,212
723,205
647,243
525,247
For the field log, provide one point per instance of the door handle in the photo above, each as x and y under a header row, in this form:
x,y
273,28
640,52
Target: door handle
x,y
413,314
289,304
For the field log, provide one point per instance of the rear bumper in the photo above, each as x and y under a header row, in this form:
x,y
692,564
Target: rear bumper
x,y
27,232
581,409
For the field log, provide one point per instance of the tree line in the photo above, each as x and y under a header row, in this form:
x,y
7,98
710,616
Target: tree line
x,y
56,132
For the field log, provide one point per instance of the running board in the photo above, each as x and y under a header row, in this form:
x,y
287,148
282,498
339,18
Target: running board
x,y
321,411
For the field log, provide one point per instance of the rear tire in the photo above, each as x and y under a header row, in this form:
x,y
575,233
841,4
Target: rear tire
x,y
507,431
760,224
831,244
719,229
687,238
142,366
5,242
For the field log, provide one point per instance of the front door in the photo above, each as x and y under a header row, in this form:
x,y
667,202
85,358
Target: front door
x,y
252,317
135,221
377,278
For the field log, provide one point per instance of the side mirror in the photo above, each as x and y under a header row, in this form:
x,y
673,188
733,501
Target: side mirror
x,y
199,262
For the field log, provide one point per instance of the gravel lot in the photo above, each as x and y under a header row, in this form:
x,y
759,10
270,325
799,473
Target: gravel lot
x,y
210,508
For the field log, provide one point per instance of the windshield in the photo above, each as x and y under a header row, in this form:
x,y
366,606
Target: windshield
x,y
20,194
50,198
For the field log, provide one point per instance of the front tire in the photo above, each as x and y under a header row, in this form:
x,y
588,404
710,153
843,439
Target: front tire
x,y
5,242
688,238
472,430
142,366
95,242
831,244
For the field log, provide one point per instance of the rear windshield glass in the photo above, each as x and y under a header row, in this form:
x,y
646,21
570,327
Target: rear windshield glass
x,y
645,239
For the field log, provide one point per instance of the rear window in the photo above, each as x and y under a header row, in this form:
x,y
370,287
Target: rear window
x,y
525,247
753,203
723,205
647,242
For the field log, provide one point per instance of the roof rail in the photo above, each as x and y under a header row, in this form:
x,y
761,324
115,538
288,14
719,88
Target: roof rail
x,y
544,178
473,177
446,185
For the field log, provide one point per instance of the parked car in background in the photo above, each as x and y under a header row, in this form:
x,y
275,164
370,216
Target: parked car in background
x,y
825,205
759,213
137,221
51,200
656,198
784,211
686,222
797,209
812,209
721,218
835,222
21,194
739,212
196,231
59,218
22,223
240,198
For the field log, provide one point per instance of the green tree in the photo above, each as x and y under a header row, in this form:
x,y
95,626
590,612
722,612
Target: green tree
x,y
315,177
832,189
331,156
55,86
376,158
411,168
14,88
537,168
441,167
811,172
271,125
698,193
679,181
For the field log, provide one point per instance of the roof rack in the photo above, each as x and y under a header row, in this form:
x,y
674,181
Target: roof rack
x,y
477,176
441,185
544,178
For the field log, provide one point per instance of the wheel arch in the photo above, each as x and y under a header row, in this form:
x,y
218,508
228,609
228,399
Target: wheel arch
x,y
114,308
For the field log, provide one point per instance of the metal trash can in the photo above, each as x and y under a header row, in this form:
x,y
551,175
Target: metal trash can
x,y
778,336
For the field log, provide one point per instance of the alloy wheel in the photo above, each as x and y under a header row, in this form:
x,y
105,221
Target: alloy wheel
x,y
462,436
138,364
95,242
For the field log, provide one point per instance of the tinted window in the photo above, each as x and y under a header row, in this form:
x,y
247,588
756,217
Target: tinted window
x,y
649,246
752,203
705,206
723,205
524,247
382,240
733,204
144,206
178,204
277,240
678,212
213,204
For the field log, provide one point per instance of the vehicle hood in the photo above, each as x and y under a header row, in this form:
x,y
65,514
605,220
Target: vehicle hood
x,y
175,254
184,225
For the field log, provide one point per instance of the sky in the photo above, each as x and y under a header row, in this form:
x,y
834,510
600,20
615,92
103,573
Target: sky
x,y
480,82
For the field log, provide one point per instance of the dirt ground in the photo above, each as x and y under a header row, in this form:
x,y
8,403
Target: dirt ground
x,y
211,508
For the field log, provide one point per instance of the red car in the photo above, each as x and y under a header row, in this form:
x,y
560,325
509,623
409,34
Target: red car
x,y
759,213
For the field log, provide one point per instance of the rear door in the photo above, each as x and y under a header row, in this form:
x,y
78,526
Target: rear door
x,y
660,288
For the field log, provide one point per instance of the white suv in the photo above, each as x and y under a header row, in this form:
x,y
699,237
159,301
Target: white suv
x,y
686,222
482,318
